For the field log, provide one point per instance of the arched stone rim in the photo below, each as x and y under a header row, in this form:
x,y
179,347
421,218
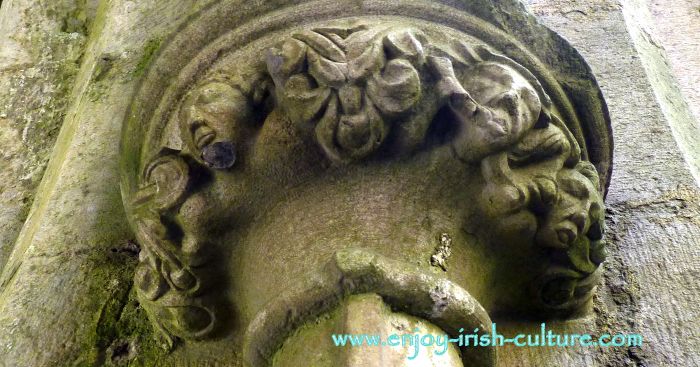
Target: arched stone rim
x,y
224,26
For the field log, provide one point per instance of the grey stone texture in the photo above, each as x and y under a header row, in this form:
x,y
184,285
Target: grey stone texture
x,y
66,263
675,27
41,45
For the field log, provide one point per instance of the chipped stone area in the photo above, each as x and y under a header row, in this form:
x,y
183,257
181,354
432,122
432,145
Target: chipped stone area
x,y
443,251
440,300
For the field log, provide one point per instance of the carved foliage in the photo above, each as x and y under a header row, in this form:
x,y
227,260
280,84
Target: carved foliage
x,y
352,88
350,83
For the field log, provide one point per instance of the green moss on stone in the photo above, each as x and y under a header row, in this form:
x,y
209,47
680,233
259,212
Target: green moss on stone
x,y
121,334
149,52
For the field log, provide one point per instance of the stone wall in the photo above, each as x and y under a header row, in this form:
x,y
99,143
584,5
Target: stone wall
x,y
40,54
653,202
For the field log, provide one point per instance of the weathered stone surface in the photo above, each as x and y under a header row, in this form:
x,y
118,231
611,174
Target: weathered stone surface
x,y
674,86
65,288
66,291
40,53
673,26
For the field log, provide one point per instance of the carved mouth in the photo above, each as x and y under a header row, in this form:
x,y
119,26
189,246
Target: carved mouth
x,y
585,286
569,293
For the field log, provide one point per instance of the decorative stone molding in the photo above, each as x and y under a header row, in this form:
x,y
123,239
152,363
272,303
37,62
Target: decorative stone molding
x,y
360,92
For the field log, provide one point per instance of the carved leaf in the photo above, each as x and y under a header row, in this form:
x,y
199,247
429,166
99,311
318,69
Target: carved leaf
x,y
326,72
353,131
325,130
404,44
306,102
448,87
342,32
368,63
325,47
466,54
350,99
286,60
396,89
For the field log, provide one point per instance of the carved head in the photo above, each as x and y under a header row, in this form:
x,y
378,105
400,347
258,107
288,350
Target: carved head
x,y
500,107
212,117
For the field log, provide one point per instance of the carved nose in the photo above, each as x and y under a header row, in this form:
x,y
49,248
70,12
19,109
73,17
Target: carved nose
x,y
509,102
463,104
350,99
219,155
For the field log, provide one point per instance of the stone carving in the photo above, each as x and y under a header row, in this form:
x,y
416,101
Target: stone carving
x,y
166,279
442,252
540,186
363,92
174,261
351,84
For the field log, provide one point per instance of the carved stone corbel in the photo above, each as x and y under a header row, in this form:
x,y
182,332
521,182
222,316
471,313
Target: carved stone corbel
x,y
353,103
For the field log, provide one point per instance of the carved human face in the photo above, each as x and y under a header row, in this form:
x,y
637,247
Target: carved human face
x,y
574,227
578,214
502,107
211,121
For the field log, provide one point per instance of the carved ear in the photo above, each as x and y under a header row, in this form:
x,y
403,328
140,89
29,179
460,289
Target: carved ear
x,y
164,183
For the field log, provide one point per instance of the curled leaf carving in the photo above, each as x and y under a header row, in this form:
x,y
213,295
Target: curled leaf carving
x,y
359,86
396,89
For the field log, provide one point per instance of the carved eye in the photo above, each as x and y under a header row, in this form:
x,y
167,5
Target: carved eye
x,y
566,236
576,187
579,219
202,135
